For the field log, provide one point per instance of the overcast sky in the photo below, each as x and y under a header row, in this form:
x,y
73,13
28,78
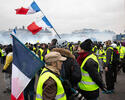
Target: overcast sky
x,y
68,15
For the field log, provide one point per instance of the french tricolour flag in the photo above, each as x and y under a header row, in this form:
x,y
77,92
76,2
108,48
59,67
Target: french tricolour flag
x,y
33,8
24,66
36,26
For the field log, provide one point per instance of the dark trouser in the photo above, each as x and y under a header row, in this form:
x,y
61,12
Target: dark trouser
x,y
93,99
29,90
109,78
115,70
90,95
3,59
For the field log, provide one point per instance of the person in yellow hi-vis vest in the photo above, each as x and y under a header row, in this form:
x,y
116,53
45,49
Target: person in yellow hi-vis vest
x,y
49,86
100,54
109,75
122,57
43,51
7,69
91,80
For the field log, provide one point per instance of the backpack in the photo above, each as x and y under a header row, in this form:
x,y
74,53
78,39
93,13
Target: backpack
x,y
116,56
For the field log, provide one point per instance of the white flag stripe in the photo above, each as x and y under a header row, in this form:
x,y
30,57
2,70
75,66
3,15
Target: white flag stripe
x,y
19,81
31,11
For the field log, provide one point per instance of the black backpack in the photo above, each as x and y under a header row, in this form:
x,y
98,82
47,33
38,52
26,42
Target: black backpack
x,y
115,56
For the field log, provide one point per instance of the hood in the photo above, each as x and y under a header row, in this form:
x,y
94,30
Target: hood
x,y
64,52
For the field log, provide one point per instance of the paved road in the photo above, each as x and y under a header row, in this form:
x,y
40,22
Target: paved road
x,y
118,95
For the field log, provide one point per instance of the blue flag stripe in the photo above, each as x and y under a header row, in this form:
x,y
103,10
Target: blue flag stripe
x,y
35,7
27,62
14,31
47,22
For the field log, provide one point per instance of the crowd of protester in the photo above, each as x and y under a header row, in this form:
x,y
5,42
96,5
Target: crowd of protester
x,y
73,71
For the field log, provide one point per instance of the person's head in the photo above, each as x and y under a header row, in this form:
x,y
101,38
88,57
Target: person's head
x,y
43,46
101,46
54,42
108,43
54,59
8,49
85,46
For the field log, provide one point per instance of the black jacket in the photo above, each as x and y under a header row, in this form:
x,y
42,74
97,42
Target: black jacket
x,y
70,70
108,57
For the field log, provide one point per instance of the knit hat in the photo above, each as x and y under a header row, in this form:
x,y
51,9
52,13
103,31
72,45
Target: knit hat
x,y
86,45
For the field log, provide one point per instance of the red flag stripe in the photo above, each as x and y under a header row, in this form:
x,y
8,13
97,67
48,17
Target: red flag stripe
x,y
22,11
34,28
21,97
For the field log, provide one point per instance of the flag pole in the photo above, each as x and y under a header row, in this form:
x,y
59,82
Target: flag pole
x,y
52,25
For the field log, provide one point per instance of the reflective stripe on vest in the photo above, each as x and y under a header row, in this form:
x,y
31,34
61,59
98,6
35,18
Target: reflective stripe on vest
x,y
38,96
45,76
100,53
86,82
57,96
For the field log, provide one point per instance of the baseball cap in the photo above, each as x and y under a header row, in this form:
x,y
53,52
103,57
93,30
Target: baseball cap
x,y
54,56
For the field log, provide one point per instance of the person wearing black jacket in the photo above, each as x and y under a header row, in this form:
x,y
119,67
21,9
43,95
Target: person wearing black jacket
x,y
109,78
91,79
70,71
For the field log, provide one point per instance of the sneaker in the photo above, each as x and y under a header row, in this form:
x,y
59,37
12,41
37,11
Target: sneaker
x,y
5,91
110,91
105,92
8,90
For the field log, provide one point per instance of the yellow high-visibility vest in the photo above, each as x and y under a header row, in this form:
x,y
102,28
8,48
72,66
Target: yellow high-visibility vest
x,y
100,53
86,83
60,95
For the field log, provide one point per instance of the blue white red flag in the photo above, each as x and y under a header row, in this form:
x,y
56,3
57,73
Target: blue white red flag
x,y
47,21
33,8
24,66
38,25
